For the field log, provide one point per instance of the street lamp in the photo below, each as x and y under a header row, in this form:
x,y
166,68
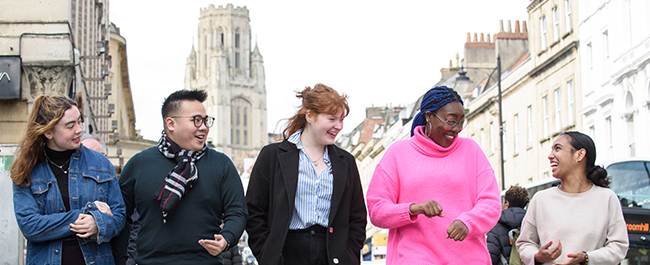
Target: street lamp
x,y
463,83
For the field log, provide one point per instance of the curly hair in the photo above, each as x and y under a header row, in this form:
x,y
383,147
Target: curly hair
x,y
517,196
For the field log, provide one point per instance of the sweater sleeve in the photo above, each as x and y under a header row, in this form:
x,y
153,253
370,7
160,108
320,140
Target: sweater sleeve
x,y
383,193
487,206
617,242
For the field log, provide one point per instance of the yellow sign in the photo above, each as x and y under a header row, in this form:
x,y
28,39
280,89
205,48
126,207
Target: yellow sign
x,y
380,240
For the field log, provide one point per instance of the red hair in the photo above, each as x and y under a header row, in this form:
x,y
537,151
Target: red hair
x,y
317,100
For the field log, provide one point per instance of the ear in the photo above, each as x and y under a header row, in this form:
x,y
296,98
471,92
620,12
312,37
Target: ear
x,y
48,134
309,117
170,124
581,154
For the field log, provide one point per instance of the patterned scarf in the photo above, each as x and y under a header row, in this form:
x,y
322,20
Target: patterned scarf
x,y
180,178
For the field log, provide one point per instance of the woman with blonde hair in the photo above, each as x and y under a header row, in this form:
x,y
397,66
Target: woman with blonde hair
x,y
305,200
66,197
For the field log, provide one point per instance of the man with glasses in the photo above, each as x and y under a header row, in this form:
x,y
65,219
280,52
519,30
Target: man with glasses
x,y
183,191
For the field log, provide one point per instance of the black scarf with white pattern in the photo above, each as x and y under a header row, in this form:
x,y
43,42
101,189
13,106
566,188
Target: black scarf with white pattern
x,y
179,180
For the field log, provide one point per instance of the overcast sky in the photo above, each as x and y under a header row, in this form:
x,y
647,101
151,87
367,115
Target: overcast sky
x,y
378,52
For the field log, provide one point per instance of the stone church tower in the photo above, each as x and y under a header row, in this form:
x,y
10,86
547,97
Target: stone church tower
x,y
233,75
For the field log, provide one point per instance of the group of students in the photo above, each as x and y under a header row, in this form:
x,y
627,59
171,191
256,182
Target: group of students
x,y
435,192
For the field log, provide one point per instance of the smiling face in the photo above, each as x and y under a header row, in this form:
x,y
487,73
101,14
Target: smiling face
x,y
564,158
323,128
66,134
439,131
182,130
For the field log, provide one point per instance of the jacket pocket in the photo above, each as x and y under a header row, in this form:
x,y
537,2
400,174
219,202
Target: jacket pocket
x,y
96,184
40,190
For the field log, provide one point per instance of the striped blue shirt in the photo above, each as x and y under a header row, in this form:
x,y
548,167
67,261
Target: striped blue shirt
x,y
314,192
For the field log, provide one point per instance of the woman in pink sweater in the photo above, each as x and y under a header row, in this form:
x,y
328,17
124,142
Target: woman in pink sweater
x,y
441,176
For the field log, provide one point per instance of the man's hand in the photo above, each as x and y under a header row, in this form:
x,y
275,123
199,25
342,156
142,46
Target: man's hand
x,y
85,226
103,207
216,246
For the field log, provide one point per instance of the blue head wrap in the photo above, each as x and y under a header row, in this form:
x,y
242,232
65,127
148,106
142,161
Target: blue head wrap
x,y
434,99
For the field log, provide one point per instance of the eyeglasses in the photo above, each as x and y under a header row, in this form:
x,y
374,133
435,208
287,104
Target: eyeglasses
x,y
198,120
451,124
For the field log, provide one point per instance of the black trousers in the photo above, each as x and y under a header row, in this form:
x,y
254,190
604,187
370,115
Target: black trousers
x,y
305,247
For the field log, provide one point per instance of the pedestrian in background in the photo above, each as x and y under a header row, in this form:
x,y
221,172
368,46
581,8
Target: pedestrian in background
x,y
94,142
440,176
304,195
498,240
580,221
183,191
66,197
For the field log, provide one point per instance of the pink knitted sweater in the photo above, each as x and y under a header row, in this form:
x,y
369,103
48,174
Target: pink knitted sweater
x,y
458,177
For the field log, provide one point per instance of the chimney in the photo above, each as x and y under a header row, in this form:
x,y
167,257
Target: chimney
x,y
488,38
517,26
469,38
525,28
450,65
482,40
475,37
501,25
509,26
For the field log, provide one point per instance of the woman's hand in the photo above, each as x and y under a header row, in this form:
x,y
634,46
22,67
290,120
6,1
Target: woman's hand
x,y
428,208
103,207
457,231
85,226
545,254
575,258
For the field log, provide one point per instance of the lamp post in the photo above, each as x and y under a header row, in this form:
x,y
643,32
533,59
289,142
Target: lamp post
x,y
463,82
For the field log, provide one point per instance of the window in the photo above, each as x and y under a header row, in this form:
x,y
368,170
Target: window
x,y
237,39
556,25
237,117
245,116
589,58
205,61
542,25
570,96
222,39
545,113
505,141
245,137
567,10
516,131
606,51
237,60
529,132
608,136
493,144
482,139
558,110
237,135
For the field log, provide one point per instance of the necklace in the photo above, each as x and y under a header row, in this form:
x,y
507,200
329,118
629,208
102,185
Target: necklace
x,y
315,162
61,166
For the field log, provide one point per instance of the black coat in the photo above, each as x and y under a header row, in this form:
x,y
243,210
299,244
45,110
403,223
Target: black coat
x,y
498,241
270,198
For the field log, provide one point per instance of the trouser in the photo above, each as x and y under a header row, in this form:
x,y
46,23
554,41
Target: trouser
x,y
305,247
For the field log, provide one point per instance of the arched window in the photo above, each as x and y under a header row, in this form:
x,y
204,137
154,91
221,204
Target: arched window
x,y
629,124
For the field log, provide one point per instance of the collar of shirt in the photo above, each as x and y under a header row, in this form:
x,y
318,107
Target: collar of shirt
x,y
295,139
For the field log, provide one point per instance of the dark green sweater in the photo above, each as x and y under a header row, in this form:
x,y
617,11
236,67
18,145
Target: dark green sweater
x,y
216,194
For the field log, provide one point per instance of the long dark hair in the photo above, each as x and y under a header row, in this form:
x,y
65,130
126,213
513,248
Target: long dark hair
x,y
596,174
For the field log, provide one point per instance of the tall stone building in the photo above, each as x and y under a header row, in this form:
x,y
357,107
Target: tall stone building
x,y
233,76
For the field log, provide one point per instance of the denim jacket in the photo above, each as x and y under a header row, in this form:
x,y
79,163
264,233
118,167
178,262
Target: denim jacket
x,y
43,219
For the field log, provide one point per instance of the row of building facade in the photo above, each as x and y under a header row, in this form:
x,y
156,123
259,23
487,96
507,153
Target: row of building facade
x,y
576,65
